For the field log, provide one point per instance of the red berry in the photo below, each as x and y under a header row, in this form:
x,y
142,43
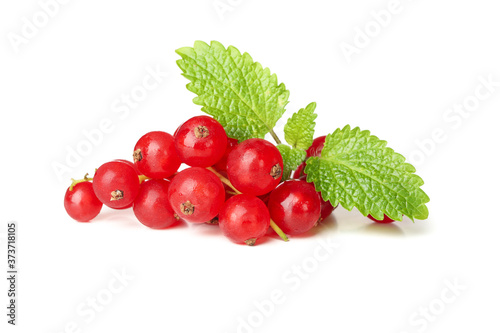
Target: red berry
x,y
222,163
132,164
295,206
196,195
255,167
385,220
155,155
244,219
326,208
127,206
316,147
314,150
265,198
81,203
201,141
116,184
299,172
151,206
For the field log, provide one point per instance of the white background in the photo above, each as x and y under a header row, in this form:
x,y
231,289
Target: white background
x,y
66,77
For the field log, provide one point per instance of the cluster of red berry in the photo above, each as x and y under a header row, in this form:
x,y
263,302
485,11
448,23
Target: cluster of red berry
x,y
235,185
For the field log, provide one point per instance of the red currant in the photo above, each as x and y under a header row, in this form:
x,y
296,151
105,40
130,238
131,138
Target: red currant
x,y
314,150
299,172
222,163
244,219
295,206
196,194
127,206
385,220
155,155
201,141
265,198
316,147
255,167
81,203
326,208
130,164
151,206
116,184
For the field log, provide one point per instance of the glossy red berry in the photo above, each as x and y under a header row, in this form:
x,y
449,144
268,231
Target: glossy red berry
x,y
116,184
81,203
316,147
155,155
255,167
151,206
221,165
127,206
314,150
385,220
132,164
201,141
244,219
265,198
326,208
299,172
196,195
295,206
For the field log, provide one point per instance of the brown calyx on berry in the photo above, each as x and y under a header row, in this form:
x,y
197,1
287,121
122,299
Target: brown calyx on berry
x,y
201,132
176,217
213,221
276,171
251,241
187,208
137,155
116,195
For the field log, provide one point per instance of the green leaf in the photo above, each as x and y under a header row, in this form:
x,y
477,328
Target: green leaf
x,y
244,97
292,158
299,129
356,169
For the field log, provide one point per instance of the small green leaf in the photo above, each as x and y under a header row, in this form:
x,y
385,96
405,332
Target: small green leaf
x,y
244,97
356,169
299,129
292,158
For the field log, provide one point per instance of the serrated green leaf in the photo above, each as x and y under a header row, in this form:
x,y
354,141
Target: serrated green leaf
x,y
299,128
357,169
244,97
292,158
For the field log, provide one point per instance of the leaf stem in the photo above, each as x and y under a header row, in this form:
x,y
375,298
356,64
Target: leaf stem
x,y
275,137
278,231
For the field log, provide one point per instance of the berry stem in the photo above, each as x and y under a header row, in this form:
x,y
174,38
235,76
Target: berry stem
x,y
275,137
278,231
142,178
224,180
228,183
78,181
